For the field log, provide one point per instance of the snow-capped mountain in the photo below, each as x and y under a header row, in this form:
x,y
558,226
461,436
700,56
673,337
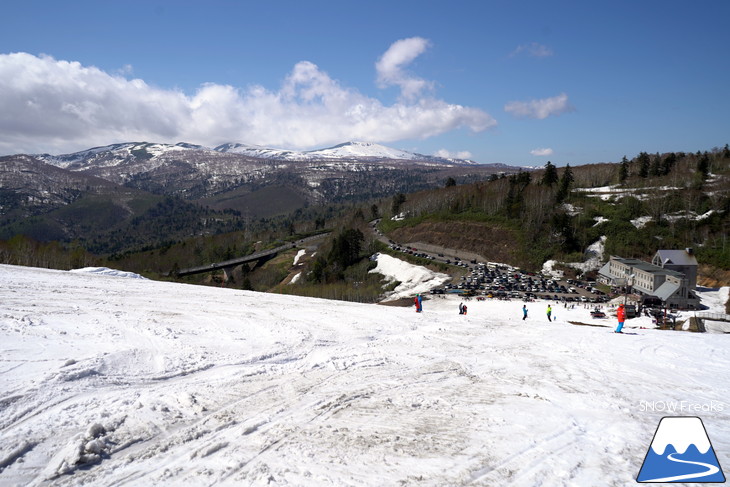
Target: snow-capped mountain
x,y
350,170
256,181
681,432
90,157
345,151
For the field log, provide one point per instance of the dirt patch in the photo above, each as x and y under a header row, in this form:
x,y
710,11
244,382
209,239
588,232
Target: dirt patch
x,y
402,302
490,243
713,277
589,324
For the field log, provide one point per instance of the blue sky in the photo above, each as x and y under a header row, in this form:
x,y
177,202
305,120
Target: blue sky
x,y
495,81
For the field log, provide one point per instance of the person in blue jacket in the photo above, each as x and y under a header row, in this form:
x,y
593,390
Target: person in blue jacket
x,y
418,301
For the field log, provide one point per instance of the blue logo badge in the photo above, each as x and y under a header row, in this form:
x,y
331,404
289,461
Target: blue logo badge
x,y
681,452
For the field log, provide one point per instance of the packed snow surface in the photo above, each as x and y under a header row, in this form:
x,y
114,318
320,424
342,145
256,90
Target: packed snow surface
x,y
105,271
110,382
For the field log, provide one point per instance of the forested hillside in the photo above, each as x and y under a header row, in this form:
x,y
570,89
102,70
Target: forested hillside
x,y
673,200
652,201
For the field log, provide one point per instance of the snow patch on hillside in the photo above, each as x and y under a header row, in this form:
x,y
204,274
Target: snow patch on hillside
x,y
105,271
593,256
299,255
593,260
413,279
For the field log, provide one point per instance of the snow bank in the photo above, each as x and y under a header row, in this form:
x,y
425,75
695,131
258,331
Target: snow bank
x,y
599,220
594,260
299,255
413,279
641,221
105,271
548,269
594,256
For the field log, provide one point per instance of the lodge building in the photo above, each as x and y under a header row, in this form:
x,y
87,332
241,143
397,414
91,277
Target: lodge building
x,y
671,277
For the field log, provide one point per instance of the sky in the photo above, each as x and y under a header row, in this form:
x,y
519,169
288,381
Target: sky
x,y
518,82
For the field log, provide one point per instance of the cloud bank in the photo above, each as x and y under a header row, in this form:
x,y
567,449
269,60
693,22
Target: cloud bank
x,y
533,49
49,105
539,109
453,155
390,67
546,151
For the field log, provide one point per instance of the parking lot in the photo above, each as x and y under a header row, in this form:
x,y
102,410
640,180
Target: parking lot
x,y
502,281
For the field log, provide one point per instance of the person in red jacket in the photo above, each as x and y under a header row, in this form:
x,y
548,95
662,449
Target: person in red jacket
x,y
418,302
621,315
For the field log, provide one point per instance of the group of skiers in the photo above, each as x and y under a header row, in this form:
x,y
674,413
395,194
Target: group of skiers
x,y
620,313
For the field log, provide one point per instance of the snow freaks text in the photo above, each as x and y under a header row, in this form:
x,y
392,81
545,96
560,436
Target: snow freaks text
x,y
681,406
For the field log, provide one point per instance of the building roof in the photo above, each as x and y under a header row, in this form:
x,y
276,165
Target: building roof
x,y
643,266
666,290
676,257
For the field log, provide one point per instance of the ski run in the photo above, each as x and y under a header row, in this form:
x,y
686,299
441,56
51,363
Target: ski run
x,y
111,380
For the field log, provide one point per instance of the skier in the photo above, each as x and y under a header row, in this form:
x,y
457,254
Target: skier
x,y
418,301
461,308
621,315
549,312
524,312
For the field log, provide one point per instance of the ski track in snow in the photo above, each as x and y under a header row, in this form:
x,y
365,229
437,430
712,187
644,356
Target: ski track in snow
x,y
113,381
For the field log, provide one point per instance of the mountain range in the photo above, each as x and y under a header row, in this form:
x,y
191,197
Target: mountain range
x,y
56,197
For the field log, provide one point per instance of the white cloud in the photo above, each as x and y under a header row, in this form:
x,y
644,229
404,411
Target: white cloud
x,y
126,70
539,109
533,49
390,66
54,106
465,154
546,151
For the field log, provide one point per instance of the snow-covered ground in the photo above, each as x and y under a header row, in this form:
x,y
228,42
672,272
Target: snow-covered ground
x,y
115,381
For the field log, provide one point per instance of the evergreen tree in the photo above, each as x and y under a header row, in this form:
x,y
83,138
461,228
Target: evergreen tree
x,y
655,167
668,163
623,170
703,166
398,201
644,163
450,182
550,176
346,248
564,186
374,211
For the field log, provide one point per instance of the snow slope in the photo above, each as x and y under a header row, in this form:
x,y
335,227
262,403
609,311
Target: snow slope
x,y
346,150
109,381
